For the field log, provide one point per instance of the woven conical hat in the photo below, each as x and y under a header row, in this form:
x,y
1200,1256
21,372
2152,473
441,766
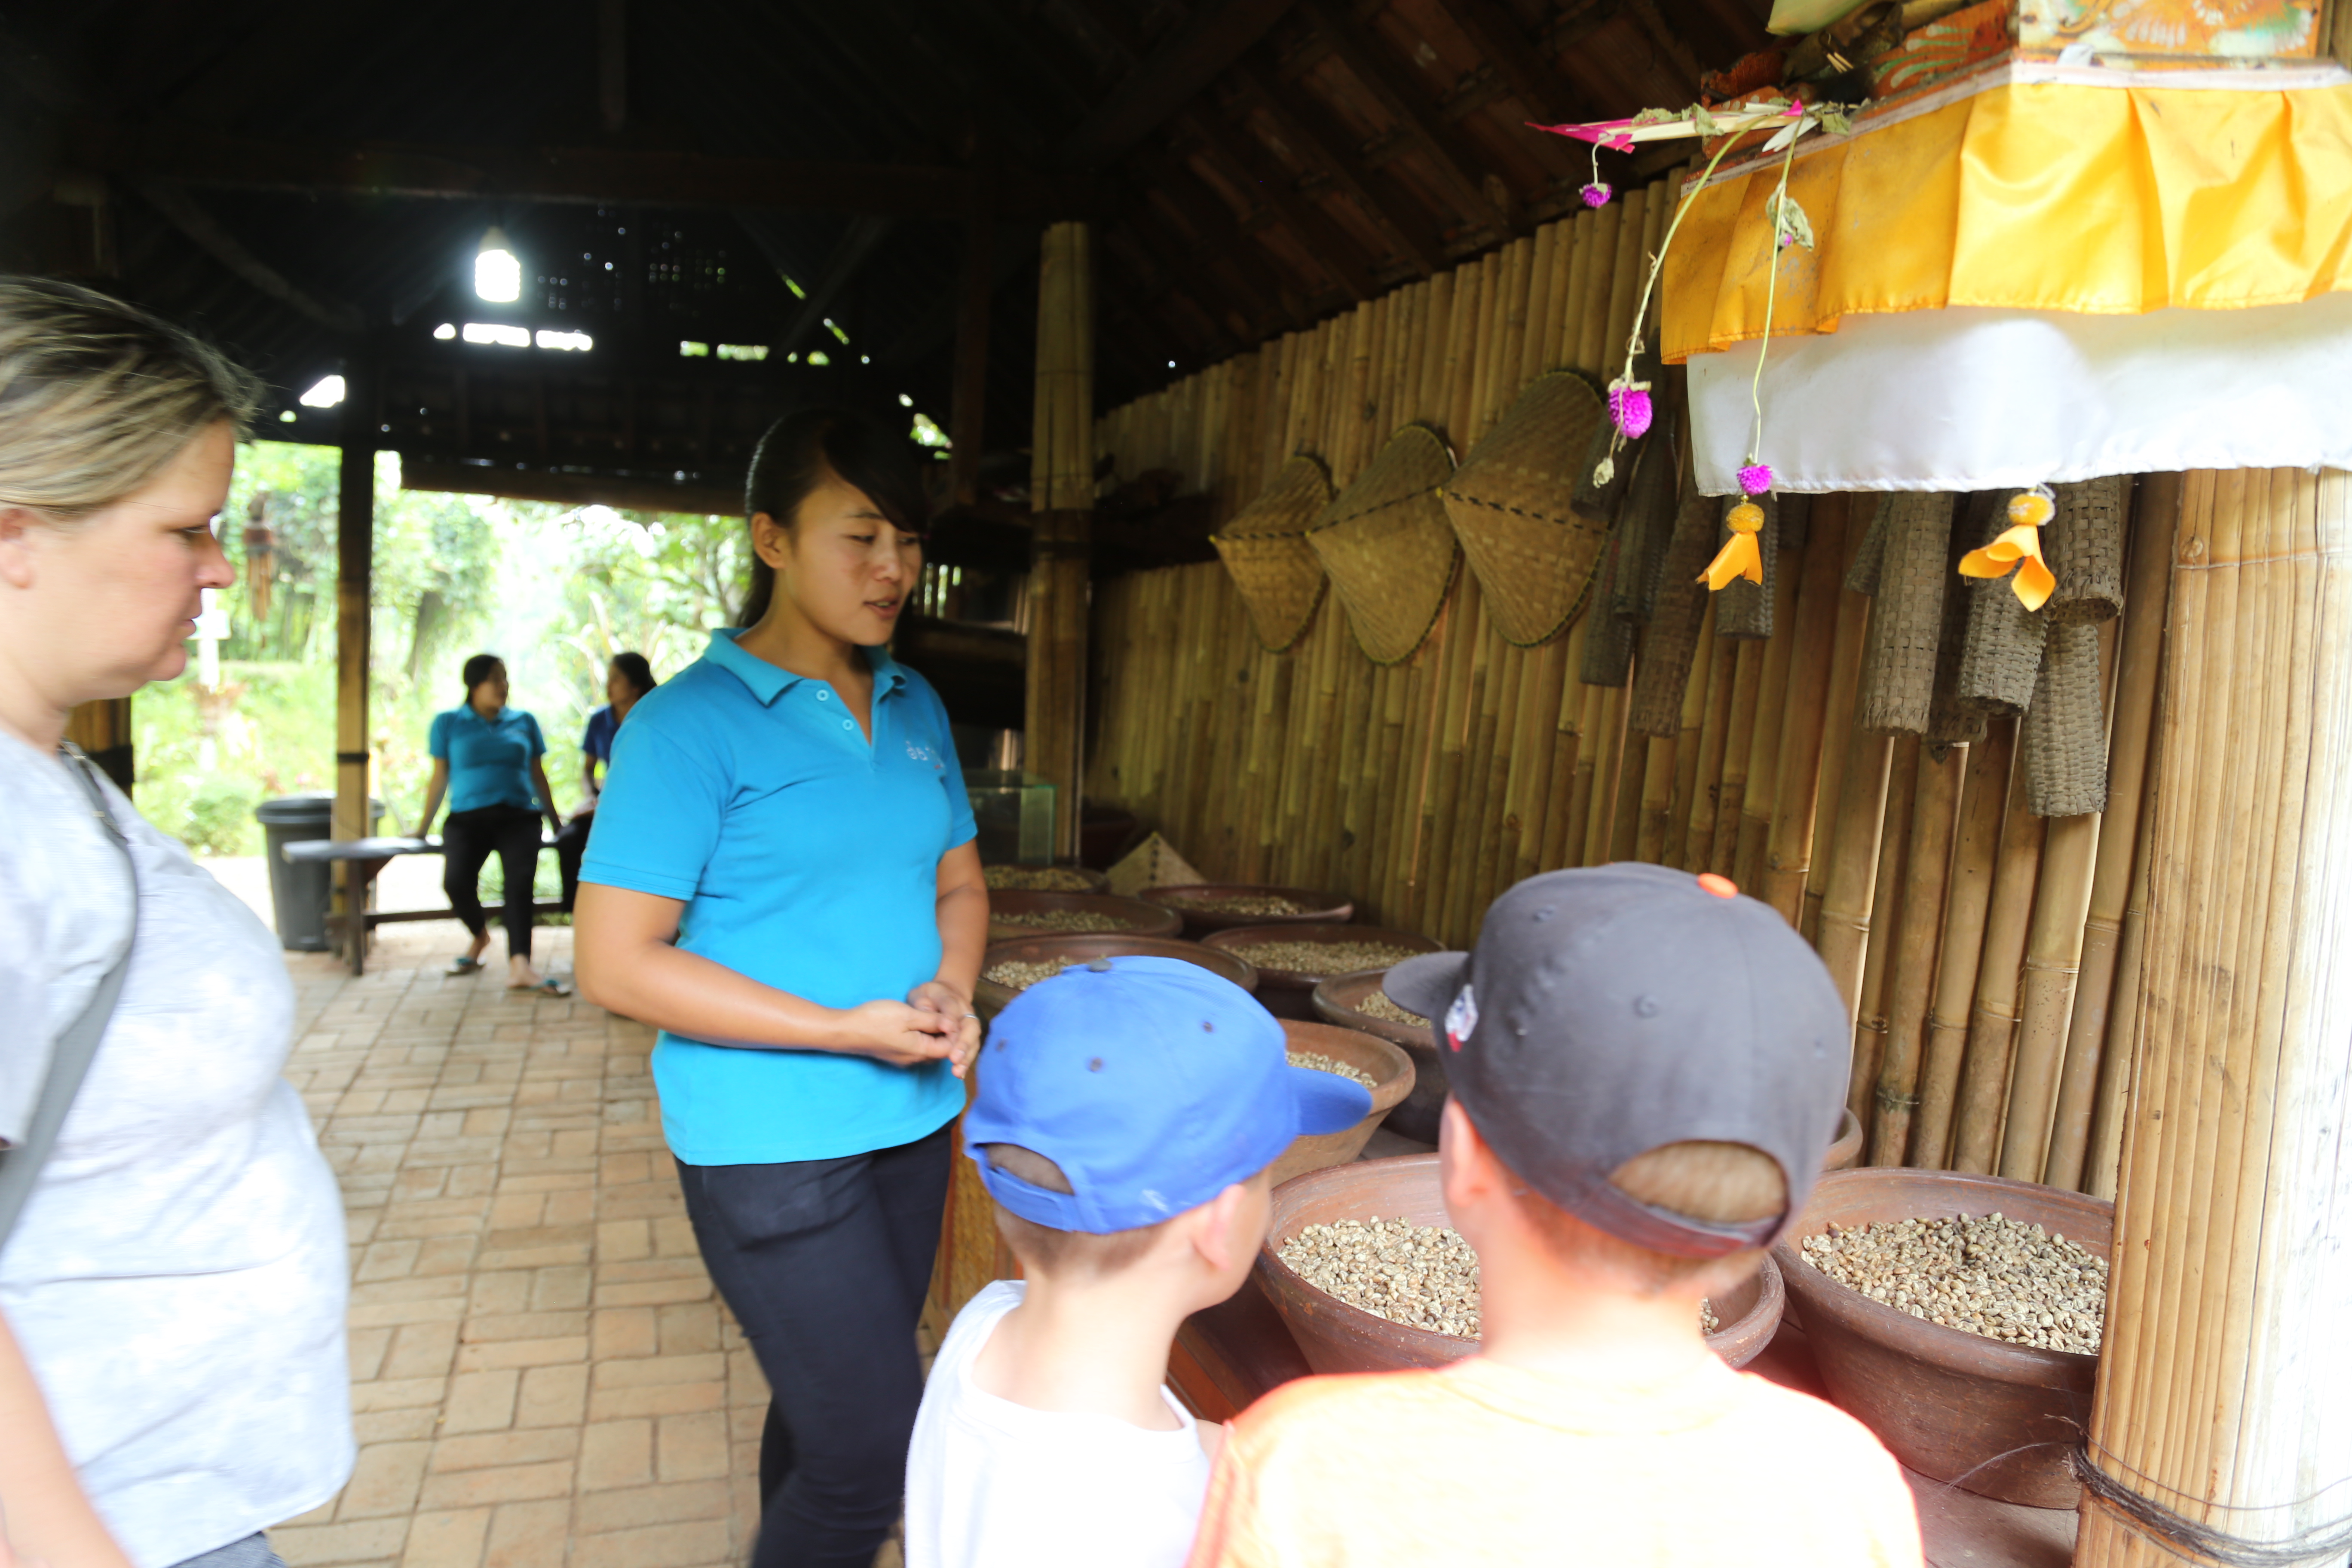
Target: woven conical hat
x,y
1508,504
1265,546
1387,546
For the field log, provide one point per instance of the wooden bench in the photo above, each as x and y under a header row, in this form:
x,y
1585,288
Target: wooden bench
x,y
366,857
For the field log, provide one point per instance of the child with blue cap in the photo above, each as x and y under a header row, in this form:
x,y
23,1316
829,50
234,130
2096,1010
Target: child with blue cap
x,y
1127,1115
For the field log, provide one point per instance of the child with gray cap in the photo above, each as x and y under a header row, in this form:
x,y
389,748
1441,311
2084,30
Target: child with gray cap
x,y
1646,1069
1126,1116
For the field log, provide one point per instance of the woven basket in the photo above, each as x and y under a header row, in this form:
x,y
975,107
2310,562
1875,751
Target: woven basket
x,y
2064,735
1914,532
1671,639
1646,526
2084,544
1387,545
1534,554
1743,610
2002,657
1950,721
1276,572
1609,641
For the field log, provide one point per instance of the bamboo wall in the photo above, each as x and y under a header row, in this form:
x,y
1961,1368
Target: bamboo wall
x,y
1955,923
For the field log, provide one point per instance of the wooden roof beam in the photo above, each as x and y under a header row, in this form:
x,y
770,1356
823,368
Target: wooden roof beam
x,y
1307,126
1316,229
857,242
1513,58
1178,68
189,157
1370,63
191,219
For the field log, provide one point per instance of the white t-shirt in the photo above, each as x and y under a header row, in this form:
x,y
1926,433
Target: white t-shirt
x,y
178,1279
991,1484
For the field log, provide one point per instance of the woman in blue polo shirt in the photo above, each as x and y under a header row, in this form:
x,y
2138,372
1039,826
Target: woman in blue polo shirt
x,y
486,759
626,678
783,878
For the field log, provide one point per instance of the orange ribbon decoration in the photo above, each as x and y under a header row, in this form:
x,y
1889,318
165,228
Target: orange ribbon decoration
x,y
1739,556
2020,546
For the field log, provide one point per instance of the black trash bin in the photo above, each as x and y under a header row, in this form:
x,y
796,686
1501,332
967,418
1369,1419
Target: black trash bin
x,y
302,896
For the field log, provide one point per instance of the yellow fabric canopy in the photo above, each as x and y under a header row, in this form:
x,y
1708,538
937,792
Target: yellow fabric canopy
x,y
2098,200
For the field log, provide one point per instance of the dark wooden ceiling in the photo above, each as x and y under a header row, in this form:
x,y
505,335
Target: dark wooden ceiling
x,y
307,181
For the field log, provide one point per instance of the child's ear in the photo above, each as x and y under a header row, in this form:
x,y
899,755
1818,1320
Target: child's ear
x,y
1217,1238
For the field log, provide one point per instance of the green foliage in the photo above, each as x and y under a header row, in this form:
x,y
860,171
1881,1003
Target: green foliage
x,y
555,590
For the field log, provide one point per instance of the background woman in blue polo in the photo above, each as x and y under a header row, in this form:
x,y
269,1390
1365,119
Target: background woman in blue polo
x,y
626,678
783,878
485,757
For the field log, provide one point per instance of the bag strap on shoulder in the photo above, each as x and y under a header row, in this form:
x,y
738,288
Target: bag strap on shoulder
x,y
20,1167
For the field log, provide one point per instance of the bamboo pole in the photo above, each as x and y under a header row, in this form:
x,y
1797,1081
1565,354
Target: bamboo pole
x,y
1764,743
1690,745
1912,966
1714,733
1439,818
1731,792
1491,675
1624,811
2086,1084
1600,241
1538,726
1788,847
1849,889
1544,298
1845,691
1607,715
1560,809
1975,856
1869,1008
1992,1026
2054,956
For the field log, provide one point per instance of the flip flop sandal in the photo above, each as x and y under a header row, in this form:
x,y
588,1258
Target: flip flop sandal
x,y
464,966
548,987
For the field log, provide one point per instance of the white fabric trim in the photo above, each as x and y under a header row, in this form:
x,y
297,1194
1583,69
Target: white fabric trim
x,y
1982,399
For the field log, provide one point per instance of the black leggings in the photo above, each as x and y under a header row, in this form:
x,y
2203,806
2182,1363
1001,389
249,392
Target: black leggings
x,y
470,837
826,1263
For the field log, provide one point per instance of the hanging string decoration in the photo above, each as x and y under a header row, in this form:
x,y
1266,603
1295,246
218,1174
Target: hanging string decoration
x,y
2020,546
1630,409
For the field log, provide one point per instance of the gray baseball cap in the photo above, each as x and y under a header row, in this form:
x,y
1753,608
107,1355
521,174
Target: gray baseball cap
x,y
1613,1010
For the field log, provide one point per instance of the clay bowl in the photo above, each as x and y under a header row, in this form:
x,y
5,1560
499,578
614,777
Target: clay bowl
x,y
1314,908
1391,1073
1290,993
1336,1001
1337,1337
1089,881
1135,917
990,997
1943,1400
1845,1148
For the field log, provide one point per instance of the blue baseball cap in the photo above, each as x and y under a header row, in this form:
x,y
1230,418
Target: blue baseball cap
x,y
1153,1083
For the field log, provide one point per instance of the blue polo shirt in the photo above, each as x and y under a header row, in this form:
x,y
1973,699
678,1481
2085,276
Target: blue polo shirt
x,y
489,758
597,739
808,859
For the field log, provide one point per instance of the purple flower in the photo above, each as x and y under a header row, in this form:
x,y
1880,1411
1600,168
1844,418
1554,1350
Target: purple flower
x,y
1755,479
1629,408
1597,194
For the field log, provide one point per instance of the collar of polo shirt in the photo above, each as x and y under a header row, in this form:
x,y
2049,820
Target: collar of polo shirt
x,y
768,681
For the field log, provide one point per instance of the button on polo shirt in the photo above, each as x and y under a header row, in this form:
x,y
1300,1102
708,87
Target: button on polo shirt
x,y
807,859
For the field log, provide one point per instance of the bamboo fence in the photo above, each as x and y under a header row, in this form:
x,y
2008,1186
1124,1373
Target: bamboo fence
x,y
1993,976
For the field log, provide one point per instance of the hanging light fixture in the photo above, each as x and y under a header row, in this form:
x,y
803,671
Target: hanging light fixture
x,y
498,272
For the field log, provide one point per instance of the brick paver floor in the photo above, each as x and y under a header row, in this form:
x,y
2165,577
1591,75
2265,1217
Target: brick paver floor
x,y
542,1374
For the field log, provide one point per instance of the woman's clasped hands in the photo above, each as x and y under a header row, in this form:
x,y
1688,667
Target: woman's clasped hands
x,y
934,1024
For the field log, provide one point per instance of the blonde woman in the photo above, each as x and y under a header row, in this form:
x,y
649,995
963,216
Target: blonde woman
x,y
171,1295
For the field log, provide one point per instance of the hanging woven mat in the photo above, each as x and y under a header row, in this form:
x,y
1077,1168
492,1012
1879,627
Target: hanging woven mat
x,y
2084,544
1950,721
1646,527
1533,554
1388,547
2001,655
1609,640
1743,610
1265,546
1908,554
2064,735
1671,639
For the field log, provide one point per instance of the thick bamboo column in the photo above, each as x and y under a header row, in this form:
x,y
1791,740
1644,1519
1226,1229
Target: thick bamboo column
x,y
1804,710
1977,851
1911,965
2221,1386
1992,1026
1062,498
1893,853
354,595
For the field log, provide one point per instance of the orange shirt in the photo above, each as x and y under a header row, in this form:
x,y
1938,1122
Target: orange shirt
x,y
1478,1463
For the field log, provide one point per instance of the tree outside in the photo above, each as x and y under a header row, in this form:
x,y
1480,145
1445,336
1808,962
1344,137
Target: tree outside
x,y
553,590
